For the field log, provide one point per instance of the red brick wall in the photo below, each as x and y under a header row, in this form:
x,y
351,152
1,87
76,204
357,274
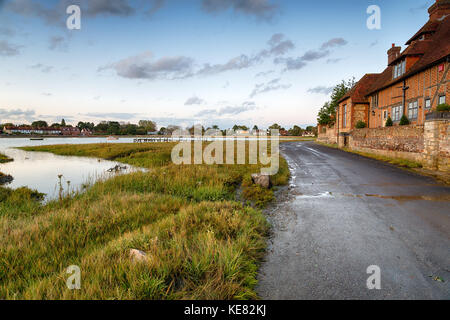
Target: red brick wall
x,y
422,85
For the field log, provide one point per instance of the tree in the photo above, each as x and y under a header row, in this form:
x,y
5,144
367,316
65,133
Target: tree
x,y
360,124
148,125
171,128
296,131
39,124
404,121
327,113
275,126
63,123
255,128
239,127
389,122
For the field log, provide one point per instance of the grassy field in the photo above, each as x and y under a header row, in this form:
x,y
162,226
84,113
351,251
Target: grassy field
x,y
200,242
4,159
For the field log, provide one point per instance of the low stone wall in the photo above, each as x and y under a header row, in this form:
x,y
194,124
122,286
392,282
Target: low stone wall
x,y
437,145
405,142
327,135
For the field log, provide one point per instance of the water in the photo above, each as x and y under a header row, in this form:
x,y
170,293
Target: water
x,y
39,170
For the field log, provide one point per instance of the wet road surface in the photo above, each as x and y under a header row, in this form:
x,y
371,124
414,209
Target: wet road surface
x,y
343,213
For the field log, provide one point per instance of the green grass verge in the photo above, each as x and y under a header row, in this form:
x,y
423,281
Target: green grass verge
x,y
404,163
200,242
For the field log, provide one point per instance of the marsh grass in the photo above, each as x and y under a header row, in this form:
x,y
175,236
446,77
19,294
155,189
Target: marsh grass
x,y
4,158
200,242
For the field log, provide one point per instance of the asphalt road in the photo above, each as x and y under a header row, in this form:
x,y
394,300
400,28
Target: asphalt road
x,y
343,213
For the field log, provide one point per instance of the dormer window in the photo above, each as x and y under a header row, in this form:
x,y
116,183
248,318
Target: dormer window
x,y
399,69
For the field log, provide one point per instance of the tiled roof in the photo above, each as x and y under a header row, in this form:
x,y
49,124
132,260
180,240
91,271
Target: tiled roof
x,y
359,91
434,50
429,27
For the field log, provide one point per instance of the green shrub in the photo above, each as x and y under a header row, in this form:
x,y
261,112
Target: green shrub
x,y
444,107
389,122
404,121
360,124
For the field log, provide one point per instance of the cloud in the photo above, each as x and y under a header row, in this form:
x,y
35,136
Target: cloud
x,y
227,111
144,67
264,73
57,43
269,86
5,31
331,61
155,6
262,9
311,55
56,14
335,42
17,114
237,63
41,67
321,90
193,100
8,50
374,43
30,8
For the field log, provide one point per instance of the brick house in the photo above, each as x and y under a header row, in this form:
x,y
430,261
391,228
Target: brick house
x,y
353,107
416,79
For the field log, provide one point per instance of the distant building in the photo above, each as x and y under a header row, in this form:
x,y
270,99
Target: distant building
x,y
70,131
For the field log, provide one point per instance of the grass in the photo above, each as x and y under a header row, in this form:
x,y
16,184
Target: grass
x,y
200,243
404,163
4,158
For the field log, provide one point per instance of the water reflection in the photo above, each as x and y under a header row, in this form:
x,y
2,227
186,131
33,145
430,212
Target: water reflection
x,y
40,171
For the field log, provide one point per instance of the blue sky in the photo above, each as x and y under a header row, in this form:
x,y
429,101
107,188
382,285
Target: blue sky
x,y
190,61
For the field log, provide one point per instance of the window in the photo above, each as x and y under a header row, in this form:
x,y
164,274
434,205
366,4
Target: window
x,y
399,69
385,115
412,110
397,113
344,119
427,103
375,100
441,100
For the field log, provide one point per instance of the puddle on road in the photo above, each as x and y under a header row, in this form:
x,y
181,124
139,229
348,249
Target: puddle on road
x,y
439,198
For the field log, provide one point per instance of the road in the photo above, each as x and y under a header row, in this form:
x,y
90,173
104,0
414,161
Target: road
x,y
343,213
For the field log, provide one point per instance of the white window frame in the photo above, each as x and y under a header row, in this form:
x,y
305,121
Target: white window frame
x,y
413,110
427,103
440,97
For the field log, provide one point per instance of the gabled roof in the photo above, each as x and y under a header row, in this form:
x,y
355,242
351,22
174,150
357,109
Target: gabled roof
x,y
432,51
359,91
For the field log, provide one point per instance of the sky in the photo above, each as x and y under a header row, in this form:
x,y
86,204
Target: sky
x,y
184,62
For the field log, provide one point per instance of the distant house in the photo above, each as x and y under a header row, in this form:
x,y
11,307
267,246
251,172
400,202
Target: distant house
x,y
86,132
70,131
31,130
152,133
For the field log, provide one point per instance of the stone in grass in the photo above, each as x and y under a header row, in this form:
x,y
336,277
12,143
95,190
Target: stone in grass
x,y
262,179
138,255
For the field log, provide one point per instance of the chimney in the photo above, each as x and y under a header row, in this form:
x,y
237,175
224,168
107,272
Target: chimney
x,y
440,9
393,53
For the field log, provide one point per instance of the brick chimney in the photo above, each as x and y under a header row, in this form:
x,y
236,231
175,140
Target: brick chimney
x,y
393,53
439,9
